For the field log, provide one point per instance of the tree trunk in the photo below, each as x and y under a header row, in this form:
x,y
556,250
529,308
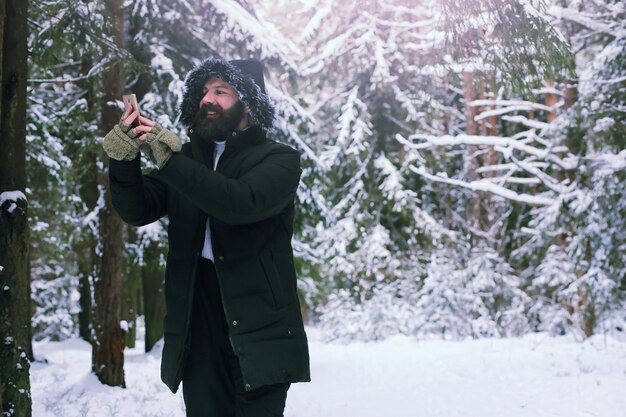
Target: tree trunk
x,y
14,278
551,101
570,93
108,343
108,338
131,288
86,272
87,157
153,298
489,124
471,155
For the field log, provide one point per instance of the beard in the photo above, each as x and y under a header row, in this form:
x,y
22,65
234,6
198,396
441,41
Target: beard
x,y
221,127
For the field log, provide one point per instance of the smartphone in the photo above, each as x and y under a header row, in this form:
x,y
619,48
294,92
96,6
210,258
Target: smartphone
x,y
130,101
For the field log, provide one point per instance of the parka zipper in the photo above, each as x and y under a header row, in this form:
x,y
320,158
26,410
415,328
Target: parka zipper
x,y
192,290
225,155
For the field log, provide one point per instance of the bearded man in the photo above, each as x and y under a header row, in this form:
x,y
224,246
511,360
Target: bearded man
x,y
233,330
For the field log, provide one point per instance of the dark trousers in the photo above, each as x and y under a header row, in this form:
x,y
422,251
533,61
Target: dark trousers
x,y
212,381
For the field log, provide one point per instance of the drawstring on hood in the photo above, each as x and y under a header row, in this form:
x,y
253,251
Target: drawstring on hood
x,y
245,76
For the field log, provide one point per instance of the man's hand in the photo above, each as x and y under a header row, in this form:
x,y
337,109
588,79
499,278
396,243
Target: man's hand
x,y
122,143
163,143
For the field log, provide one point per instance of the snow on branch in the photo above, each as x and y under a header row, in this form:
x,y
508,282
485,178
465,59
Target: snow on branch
x,y
522,104
487,186
12,197
265,36
508,167
582,19
502,144
95,70
307,150
609,163
515,180
419,24
91,219
524,154
548,90
509,106
322,11
546,179
608,81
533,124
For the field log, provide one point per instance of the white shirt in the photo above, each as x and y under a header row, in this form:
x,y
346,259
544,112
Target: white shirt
x,y
207,250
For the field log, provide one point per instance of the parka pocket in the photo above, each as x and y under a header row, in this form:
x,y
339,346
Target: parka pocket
x,y
277,287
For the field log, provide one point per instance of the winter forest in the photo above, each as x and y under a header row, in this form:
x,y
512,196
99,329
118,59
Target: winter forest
x,y
464,166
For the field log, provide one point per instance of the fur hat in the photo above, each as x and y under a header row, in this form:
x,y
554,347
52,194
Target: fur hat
x,y
245,76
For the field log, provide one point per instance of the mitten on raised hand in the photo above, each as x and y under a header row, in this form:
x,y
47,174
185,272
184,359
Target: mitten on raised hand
x,y
121,143
163,143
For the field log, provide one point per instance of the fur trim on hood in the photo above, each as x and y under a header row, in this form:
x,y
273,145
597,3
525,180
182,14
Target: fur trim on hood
x,y
243,76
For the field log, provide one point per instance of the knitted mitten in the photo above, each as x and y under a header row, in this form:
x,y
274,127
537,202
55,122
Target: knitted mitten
x,y
121,143
163,143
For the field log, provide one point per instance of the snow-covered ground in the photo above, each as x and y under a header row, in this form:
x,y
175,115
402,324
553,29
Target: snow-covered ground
x,y
533,376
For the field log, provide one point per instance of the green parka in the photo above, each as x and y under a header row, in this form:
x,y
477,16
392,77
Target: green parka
x,y
249,202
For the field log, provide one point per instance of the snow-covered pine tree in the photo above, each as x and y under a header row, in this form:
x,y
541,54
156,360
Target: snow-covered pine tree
x,y
362,64
470,293
444,303
568,168
591,218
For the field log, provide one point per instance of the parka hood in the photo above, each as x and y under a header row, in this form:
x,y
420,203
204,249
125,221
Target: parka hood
x,y
245,76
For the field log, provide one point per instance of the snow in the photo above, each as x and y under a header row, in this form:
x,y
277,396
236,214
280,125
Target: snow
x,y
151,232
504,145
124,325
604,124
486,185
535,375
582,19
608,163
267,36
12,196
534,124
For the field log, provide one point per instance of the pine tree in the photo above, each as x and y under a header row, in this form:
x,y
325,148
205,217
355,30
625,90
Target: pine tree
x,y
547,146
368,87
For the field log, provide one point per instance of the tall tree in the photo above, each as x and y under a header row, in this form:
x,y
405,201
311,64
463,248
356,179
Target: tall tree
x,y
373,230
15,397
86,156
131,288
151,257
561,161
108,337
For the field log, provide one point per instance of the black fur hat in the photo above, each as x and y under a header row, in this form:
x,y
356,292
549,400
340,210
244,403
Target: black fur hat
x,y
245,76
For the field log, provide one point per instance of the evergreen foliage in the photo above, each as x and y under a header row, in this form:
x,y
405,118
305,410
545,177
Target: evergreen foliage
x,y
514,38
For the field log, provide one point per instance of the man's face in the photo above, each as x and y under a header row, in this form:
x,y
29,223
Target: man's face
x,y
220,112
